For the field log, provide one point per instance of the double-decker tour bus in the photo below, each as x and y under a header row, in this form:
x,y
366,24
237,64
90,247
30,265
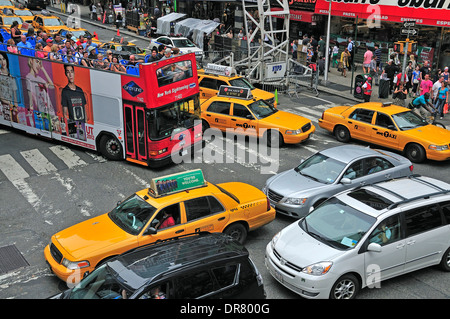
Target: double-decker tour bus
x,y
141,117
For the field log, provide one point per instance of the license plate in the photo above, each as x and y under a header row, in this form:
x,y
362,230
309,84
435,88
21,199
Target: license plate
x,y
278,275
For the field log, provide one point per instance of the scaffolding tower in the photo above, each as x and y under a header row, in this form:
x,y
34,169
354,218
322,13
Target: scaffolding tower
x,y
267,54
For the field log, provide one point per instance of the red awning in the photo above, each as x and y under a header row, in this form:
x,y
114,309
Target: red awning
x,y
389,10
297,15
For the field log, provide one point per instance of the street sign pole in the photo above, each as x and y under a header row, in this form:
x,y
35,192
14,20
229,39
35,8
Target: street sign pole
x,y
406,24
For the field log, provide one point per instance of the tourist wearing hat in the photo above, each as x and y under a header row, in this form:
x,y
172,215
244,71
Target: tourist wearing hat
x,y
48,47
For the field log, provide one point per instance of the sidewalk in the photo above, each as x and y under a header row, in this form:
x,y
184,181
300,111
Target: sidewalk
x,y
336,84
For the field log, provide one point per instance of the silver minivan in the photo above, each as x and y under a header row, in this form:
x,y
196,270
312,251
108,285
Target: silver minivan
x,y
362,236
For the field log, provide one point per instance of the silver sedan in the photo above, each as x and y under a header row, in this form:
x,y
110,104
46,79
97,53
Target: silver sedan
x,y
296,191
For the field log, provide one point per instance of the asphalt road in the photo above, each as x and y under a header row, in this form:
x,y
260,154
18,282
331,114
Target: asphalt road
x,y
80,184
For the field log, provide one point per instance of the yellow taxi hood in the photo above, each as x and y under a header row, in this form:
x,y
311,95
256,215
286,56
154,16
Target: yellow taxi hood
x,y
261,94
337,109
430,133
284,120
82,240
244,192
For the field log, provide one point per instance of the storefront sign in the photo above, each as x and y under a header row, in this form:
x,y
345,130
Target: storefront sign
x,y
425,12
297,15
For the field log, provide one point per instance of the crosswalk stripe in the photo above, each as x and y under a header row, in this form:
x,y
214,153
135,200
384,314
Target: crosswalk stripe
x,y
67,156
11,168
38,161
16,174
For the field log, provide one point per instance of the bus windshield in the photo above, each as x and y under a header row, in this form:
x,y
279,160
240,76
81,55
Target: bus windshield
x,y
179,115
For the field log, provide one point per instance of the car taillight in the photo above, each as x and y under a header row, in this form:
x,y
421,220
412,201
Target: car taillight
x,y
268,204
411,168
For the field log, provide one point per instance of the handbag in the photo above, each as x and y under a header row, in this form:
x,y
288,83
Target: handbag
x,y
445,111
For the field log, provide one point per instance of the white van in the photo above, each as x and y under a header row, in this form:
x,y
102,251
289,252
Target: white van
x,y
362,236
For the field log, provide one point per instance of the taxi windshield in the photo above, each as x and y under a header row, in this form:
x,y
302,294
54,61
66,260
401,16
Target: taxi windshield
x,y
337,224
10,20
242,83
174,117
23,13
262,109
132,214
408,120
53,22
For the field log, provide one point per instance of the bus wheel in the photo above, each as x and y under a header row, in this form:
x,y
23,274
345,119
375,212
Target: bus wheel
x,y
111,148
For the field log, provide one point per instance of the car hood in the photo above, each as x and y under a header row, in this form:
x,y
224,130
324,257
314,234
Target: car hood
x,y
83,240
430,133
299,248
284,120
290,182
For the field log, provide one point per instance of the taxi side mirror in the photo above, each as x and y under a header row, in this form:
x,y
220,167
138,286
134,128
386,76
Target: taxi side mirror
x,y
249,117
150,231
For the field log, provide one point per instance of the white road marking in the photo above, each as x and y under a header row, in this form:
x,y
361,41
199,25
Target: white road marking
x,y
67,156
38,161
17,175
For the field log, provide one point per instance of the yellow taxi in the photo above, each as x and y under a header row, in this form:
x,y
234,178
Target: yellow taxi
x,y
48,23
235,107
214,76
77,32
173,205
390,126
6,4
6,21
25,14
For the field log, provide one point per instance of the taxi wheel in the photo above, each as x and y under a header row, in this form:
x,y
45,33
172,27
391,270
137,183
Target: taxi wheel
x,y
205,126
415,153
237,231
342,134
272,136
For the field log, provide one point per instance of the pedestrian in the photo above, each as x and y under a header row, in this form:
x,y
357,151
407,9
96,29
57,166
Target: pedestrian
x,y
344,62
400,94
367,59
377,54
426,85
322,47
446,74
351,50
442,99
436,87
38,51
367,89
294,49
335,54
118,20
425,69
390,69
94,12
161,49
415,81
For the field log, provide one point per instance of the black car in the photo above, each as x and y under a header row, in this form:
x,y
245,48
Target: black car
x,y
200,265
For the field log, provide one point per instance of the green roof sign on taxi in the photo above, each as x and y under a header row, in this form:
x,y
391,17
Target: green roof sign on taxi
x,y
169,184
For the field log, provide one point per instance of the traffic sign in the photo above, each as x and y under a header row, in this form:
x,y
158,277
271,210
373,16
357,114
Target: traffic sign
x,y
410,31
409,24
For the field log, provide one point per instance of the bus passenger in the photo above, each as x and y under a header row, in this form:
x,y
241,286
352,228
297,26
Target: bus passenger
x,y
116,66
